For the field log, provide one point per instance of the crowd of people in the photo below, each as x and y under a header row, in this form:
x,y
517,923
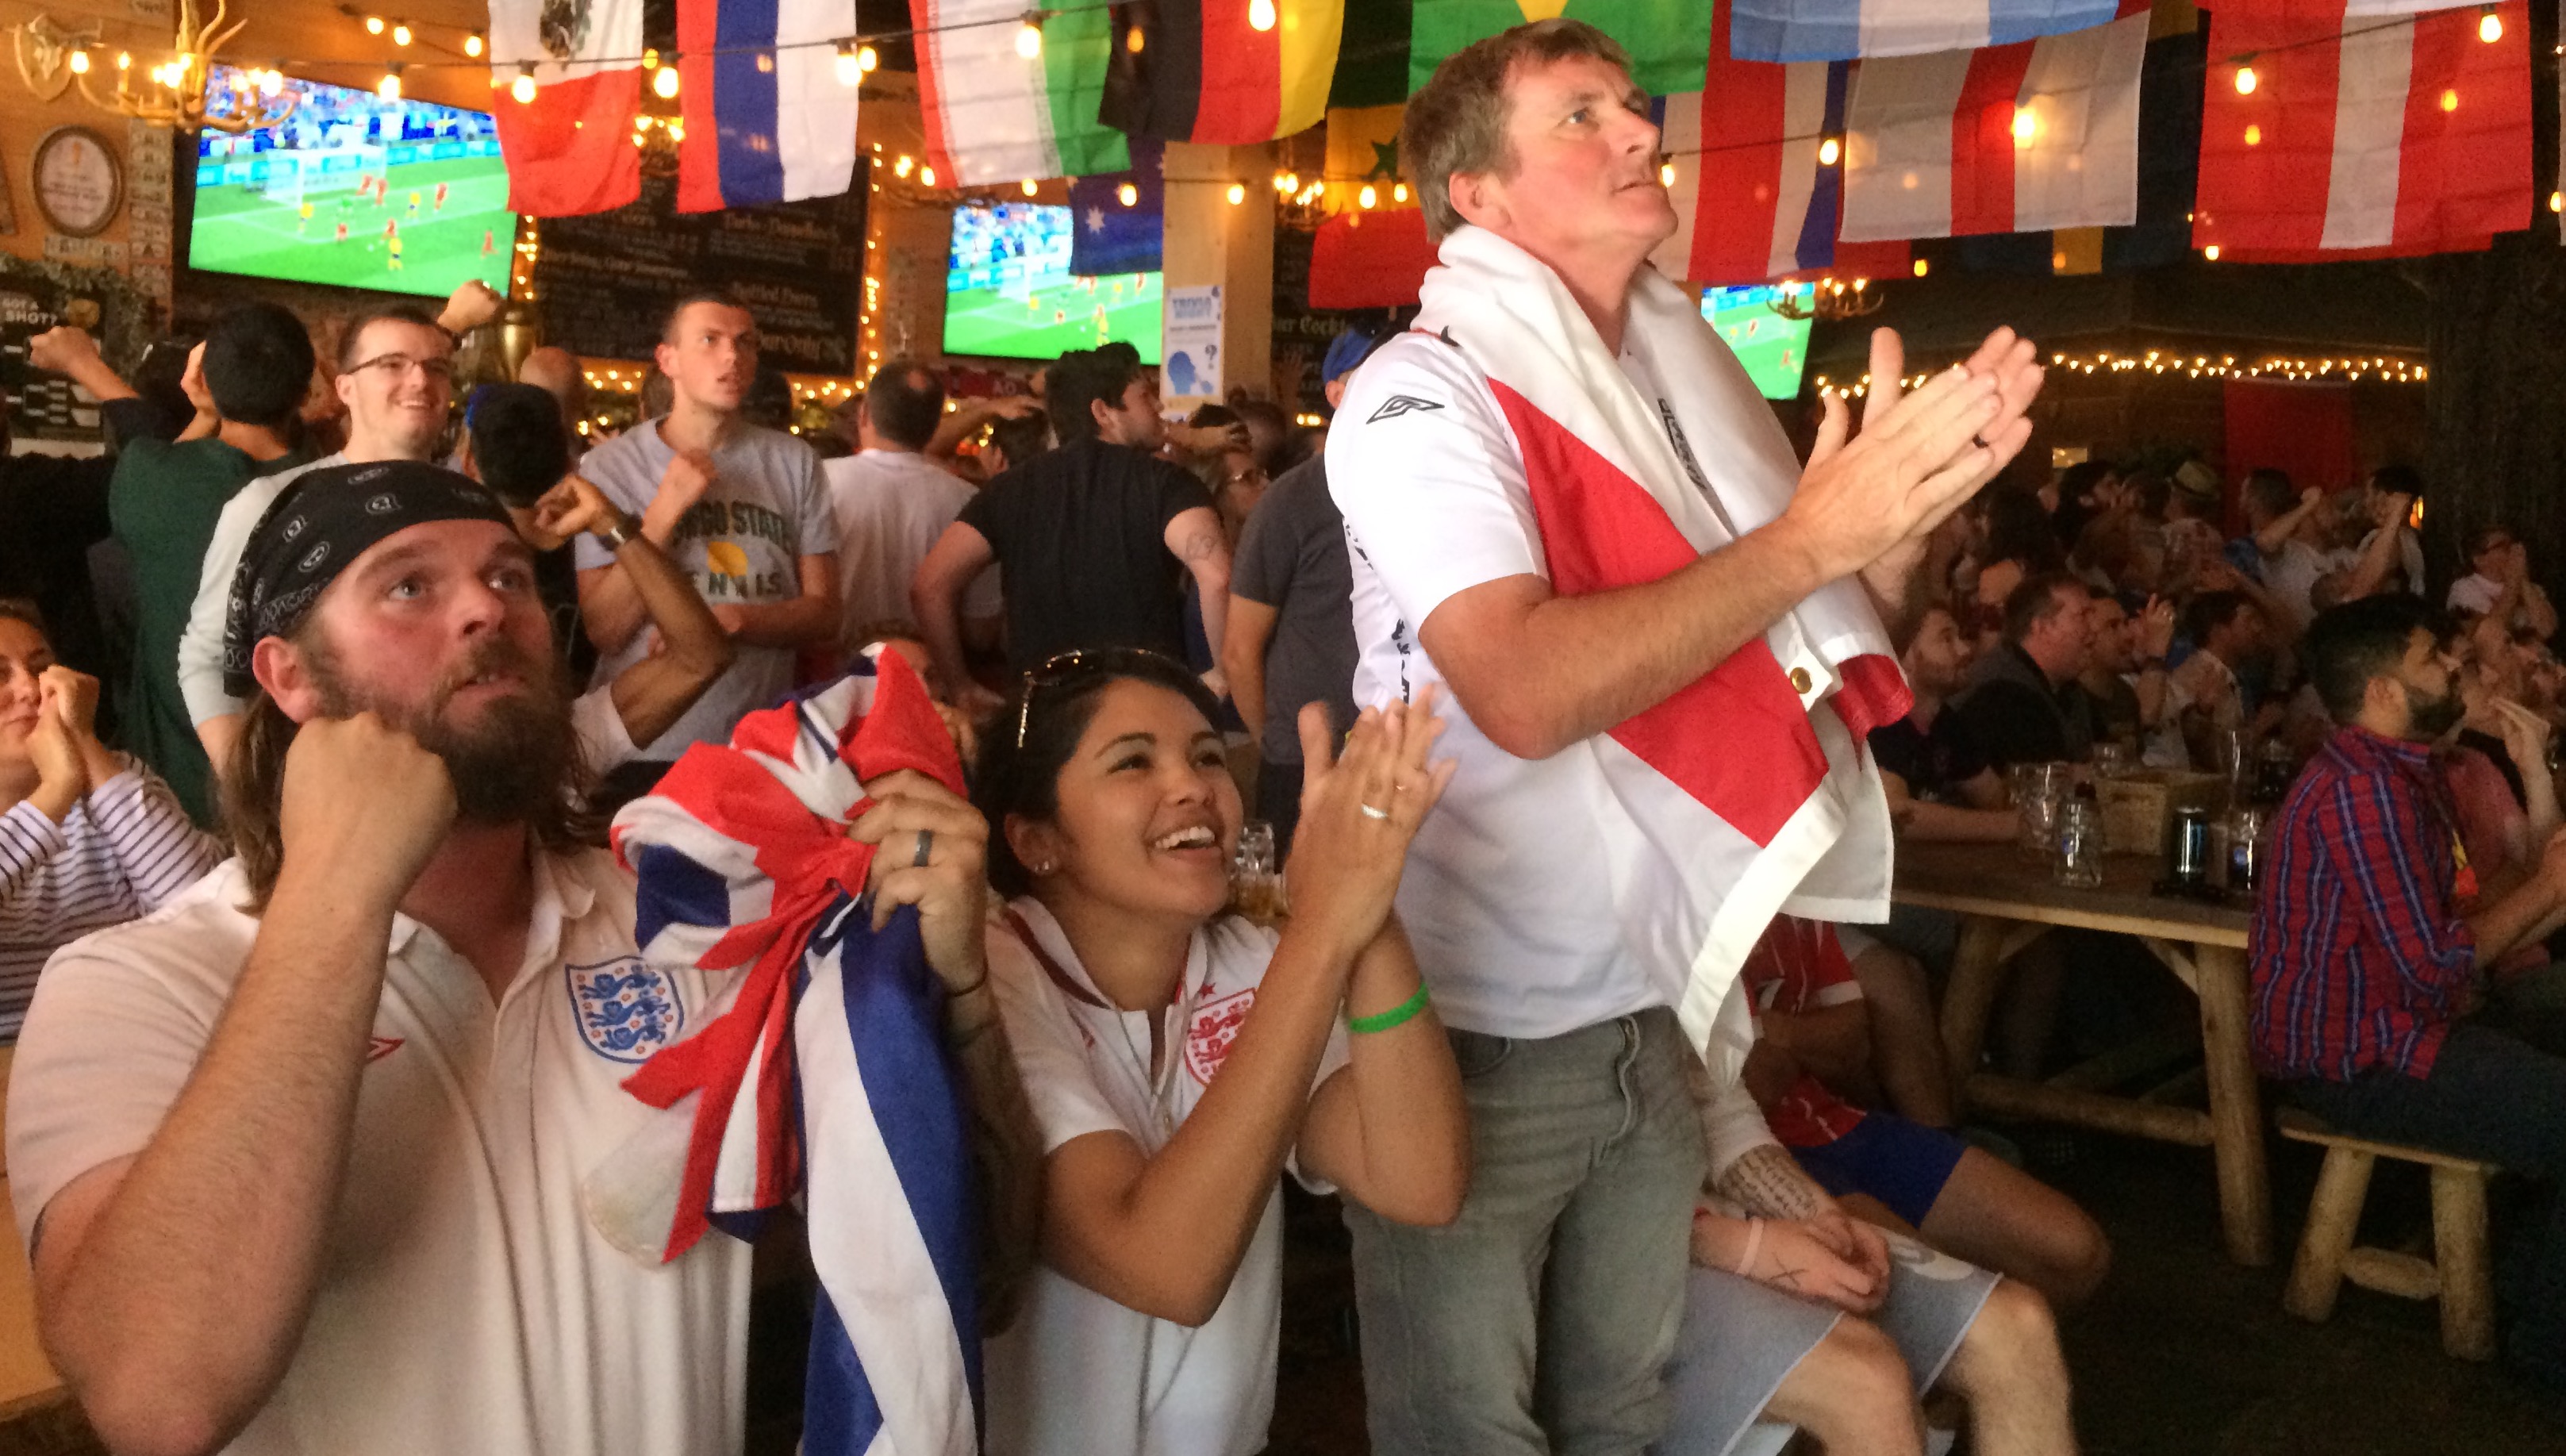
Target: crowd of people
x,y
1583,711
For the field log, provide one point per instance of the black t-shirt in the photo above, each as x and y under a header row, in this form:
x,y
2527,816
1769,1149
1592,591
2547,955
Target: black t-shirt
x,y
1934,764
1079,535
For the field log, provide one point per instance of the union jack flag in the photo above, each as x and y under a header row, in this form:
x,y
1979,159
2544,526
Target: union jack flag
x,y
829,1075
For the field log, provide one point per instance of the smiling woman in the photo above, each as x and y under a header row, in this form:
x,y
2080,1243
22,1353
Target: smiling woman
x,y
1177,1056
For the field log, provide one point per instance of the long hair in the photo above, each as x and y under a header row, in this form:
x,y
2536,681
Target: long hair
x,y
253,798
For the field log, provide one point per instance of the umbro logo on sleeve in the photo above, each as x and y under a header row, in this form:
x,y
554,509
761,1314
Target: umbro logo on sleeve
x,y
1398,405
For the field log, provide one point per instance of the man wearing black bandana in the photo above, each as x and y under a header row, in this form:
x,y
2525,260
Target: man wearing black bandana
x,y
333,1152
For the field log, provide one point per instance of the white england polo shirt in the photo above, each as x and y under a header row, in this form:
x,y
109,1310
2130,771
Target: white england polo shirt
x,y
470,1302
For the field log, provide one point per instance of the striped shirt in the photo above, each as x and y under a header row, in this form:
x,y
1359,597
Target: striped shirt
x,y
117,855
2361,957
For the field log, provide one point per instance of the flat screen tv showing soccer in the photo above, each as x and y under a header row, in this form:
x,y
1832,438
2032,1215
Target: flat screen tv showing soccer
x,y
1009,294
348,188
1775,350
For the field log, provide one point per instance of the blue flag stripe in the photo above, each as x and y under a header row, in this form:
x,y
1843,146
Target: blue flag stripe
x,y
744,106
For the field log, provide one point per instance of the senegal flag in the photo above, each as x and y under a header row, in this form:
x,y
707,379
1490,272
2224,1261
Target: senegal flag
x,y
1668,40
994,115
1202,71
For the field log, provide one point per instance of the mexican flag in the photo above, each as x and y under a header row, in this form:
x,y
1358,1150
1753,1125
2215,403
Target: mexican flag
x,y
1668,40
994,115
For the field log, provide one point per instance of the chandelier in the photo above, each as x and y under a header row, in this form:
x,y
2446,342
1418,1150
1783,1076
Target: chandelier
x,y
175,92
1829,298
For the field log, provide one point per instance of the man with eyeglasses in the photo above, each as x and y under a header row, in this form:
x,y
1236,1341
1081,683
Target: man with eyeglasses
x,y
395,375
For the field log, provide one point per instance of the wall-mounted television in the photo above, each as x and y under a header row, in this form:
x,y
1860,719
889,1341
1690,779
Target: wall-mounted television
x,y
1775,350
1009,294
351,189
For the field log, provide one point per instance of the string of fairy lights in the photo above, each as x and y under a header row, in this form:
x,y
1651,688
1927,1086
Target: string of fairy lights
x,y
2349,368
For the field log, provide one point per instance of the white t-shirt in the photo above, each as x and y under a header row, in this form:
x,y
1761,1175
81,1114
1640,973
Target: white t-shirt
x,y
602,739
1509,892
2292,576
200,646
1078,1374
741,545
469,1303
891,506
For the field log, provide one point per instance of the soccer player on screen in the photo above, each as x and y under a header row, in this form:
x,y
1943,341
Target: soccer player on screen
x,y
441,198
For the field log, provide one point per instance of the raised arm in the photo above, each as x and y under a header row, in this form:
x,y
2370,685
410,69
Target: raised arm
x,y
935,594
653,693
2278,531
609,606
70,352
171,1288
970,418
1539,672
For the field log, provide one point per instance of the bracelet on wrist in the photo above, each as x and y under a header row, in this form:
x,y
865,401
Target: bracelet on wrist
x,y
617,529
1383,1021
1754,1244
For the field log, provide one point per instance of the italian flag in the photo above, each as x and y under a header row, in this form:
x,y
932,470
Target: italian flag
x,y
1668,40
1202,71
995,116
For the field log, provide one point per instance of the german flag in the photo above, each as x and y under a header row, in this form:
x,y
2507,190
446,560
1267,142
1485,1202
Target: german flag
x,y
1206,70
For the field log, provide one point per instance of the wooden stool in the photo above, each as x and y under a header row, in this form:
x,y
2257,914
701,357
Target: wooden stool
x,y
2459,1274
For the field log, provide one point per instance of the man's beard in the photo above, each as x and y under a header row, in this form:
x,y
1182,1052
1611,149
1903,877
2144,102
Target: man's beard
x,y
512,765
2430,719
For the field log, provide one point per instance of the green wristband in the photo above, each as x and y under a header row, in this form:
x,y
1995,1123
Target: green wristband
x,y
1383,1021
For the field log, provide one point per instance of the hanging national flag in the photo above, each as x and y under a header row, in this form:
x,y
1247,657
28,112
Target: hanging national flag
x,y
994,115
1663,37
569,150
1202,71
829,1075
2008,139
2363,136
767,120
1110,236
1369,260
1843,30
2331,11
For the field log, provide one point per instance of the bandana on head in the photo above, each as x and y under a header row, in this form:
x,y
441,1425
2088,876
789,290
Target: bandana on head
x,y
319,527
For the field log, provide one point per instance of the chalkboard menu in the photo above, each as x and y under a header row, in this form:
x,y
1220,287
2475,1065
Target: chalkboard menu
x,y
605,283
34,297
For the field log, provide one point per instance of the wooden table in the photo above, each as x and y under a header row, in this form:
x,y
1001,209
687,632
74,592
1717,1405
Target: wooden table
x,y
2007,902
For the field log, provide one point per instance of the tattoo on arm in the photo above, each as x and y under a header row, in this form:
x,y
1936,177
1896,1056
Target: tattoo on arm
x,y
1199,545
1768,1182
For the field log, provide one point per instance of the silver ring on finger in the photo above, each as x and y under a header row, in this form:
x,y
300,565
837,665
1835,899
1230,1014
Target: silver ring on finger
x,y
1372,812
926,847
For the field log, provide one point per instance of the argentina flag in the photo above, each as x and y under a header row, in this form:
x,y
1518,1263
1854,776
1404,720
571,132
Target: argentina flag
x,y
830,1076
1846,30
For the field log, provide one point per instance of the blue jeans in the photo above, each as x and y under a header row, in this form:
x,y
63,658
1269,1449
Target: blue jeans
x,y
2490,1096
1543,1317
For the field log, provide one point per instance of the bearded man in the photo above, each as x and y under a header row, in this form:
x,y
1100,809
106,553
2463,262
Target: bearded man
x,y
322,1156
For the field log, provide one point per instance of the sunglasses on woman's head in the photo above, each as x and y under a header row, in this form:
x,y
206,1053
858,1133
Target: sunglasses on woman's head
x,y
1079,662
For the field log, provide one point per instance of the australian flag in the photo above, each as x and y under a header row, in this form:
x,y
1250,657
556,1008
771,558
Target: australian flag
x,y
1109,236
830,1076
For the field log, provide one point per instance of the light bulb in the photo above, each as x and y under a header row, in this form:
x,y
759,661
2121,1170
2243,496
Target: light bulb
x,y
1132,39
2210,252
1366,196
1260,13
867,59
1029,39
1666,174
523,88
1282,184
663,83
1291,181
1237,193
124,59
649,58
2026,126
1127,194
2245,79
1922,268
400,35
1399,192
927,177
2557,201
1830,151
272,83
472,44
2449,100
390,87
850,68
903,166
2490,28
1028,186
374,25
79,63
2254,136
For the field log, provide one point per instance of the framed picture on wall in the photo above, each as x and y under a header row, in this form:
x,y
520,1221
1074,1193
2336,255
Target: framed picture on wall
x,y
80,183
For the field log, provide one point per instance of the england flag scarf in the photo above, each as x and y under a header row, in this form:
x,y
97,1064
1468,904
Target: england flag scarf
x,y
829,1076
1751,791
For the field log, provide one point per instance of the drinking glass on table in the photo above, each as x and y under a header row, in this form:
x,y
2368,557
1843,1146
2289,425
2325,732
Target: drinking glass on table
x,y
2037,790
1256,875
2111,759
2228,744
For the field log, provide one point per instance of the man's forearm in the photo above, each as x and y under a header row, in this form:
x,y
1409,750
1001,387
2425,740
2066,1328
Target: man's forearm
x,y
609,608
796,623
940,621
190,1286
1244,666
2515,920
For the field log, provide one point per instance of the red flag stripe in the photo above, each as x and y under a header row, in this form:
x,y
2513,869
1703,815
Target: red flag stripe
x,y
699,153
1242,76
1740,186
1982,139
2466,170
569,150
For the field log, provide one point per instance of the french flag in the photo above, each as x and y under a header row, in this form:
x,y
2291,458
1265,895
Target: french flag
x,y
2009,138
569,148
1757,195
1844,30
2363,135
829,1075
767,120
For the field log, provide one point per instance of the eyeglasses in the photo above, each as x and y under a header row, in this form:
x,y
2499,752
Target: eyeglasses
x,y
1083,662
1253,475
399,365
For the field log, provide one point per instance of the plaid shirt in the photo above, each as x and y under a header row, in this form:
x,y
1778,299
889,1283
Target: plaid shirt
x,y
2360,956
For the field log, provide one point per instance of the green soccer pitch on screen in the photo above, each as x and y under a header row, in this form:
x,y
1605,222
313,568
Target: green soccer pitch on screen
x,y
1775,350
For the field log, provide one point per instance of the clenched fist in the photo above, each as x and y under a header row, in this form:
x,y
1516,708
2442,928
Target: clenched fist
x,y
364,804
